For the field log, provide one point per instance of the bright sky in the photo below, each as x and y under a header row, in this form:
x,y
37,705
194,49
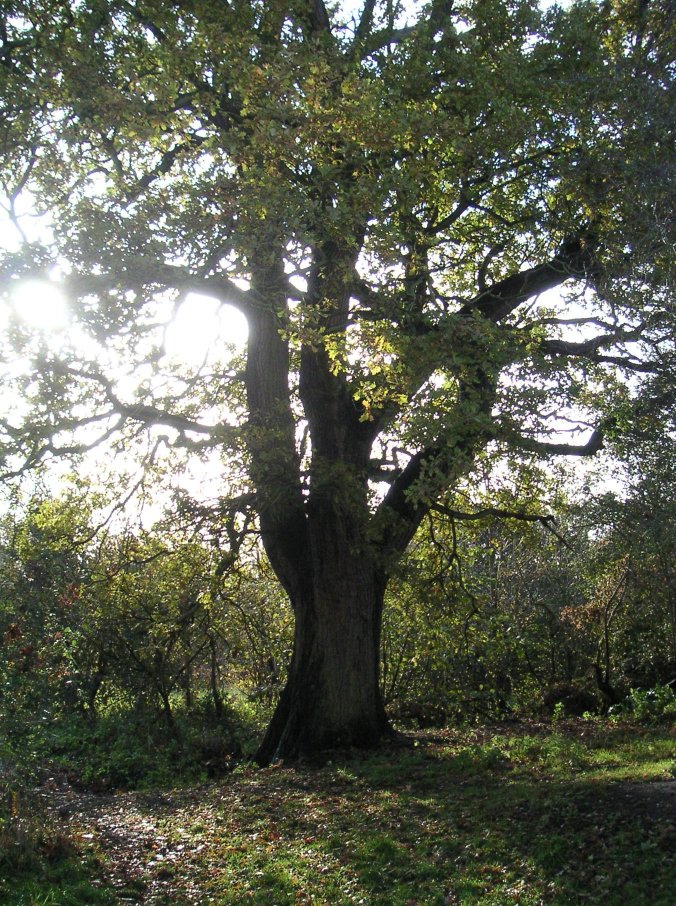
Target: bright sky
x,y
200,327
200,320
41,305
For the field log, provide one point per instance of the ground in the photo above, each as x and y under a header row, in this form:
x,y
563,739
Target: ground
x,y
506,815
656,799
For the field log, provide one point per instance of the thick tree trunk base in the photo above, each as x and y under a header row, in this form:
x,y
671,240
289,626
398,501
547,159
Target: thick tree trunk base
x,y
332,698
301,728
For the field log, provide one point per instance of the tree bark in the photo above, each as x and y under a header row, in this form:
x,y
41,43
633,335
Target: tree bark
x,y
332,697
331,552
318,542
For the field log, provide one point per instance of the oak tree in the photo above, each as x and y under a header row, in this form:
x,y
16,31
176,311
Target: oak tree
x,y
384,191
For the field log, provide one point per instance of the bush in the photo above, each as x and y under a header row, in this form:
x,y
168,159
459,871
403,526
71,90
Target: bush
x,y
648,706
569,700
128,747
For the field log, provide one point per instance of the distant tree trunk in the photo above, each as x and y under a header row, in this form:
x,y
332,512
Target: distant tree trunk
x,y
608,691
93,688
168,713
187,688
214,680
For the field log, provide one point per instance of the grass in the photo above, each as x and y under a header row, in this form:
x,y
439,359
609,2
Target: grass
x,y
523,820
474,818
40,863
66,884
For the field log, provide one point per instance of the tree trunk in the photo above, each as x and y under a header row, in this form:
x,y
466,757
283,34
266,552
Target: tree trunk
x,y
187,688
168,713
327,547
332,697
214,677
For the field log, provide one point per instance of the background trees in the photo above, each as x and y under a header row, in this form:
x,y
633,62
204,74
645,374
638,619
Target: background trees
x,y
486,619
385,196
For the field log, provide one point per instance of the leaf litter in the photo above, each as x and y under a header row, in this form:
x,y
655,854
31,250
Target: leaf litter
x,y
409,828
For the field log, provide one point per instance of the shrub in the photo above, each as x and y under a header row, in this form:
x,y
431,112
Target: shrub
x,y
648,705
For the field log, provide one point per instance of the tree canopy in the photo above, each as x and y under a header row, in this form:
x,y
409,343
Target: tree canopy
x,y
385,194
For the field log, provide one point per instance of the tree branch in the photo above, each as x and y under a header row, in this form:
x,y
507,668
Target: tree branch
x,y
587,348
574,259
439,465
164,165
40,452
548,521
145,21
593,445
385,37
319,17
145,414
139,272
365,22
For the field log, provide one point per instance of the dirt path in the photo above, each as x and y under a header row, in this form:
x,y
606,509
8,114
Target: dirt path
x,y
653,799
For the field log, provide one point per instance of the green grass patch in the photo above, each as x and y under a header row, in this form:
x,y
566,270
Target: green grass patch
x,y
529,819
533,817
68,883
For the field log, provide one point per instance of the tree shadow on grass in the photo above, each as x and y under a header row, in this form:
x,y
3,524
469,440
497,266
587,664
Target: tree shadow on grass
x,y
415,828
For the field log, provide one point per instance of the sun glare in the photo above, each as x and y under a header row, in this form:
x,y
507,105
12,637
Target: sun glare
x,y
40,304
199,323
234,327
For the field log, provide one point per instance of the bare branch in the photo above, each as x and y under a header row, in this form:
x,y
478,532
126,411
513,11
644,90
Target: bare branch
x,y
568,347
139,272
145,414
577,322
486,263
49,448
547,520
629,364
463,205
589,349
385,38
